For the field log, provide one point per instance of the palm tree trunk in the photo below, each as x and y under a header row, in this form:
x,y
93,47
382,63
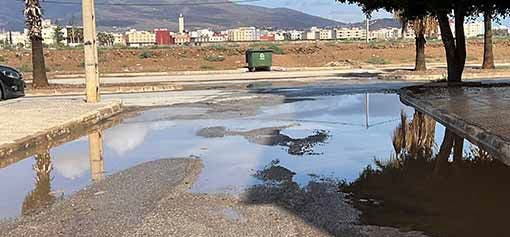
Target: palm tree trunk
x,y
488,54
39,67
420,64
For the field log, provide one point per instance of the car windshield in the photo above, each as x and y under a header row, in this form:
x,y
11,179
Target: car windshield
x,y
9,72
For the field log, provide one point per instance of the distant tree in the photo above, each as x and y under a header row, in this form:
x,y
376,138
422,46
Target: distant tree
x,y
33,21
443,11
105,39
422,27
58,35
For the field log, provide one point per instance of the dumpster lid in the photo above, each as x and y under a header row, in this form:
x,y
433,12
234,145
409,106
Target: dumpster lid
x,y
260,50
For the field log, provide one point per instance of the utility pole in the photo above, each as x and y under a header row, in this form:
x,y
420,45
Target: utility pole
x,y
367,25
367,110
90,46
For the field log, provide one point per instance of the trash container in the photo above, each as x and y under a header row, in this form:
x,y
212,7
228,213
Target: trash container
x,y
259,59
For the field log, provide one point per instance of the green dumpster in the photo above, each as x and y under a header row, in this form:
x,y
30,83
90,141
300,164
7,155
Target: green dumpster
x,y
259,59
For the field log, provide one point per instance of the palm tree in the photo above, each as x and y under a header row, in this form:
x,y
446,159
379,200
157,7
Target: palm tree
x,y
422,27
33,21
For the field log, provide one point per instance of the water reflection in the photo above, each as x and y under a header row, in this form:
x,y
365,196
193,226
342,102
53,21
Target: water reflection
x,y
96,156
444,193
272,137
42,196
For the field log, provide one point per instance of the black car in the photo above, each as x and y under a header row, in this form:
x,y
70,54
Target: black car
x,y
11,83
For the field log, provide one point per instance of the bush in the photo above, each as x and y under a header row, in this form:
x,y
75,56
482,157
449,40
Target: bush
x,y
2,59
218,47
146,54
206,67
215,58
274,47
377,60
25,68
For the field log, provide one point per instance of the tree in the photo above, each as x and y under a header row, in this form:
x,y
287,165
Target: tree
x,y
105,39
58,35
33,21
443,11
422,27
488,54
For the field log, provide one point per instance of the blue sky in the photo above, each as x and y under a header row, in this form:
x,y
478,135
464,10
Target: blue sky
x,y
324,8
329,9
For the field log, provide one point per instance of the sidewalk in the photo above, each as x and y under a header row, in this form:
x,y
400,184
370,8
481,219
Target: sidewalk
x,y
479,112
29,123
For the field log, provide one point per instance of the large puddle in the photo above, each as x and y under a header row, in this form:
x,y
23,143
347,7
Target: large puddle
x,y
331,138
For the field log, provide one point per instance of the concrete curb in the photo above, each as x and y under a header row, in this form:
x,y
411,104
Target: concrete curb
x,y
473,133
104,90
50,135
436,77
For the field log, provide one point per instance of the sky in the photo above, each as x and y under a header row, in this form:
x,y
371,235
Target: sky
x,y
332,10
324,8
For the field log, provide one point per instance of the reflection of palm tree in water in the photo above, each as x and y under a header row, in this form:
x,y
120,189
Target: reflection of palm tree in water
x,y
273,137
41,196
415,137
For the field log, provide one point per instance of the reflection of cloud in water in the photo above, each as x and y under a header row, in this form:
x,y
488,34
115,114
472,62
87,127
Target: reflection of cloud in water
x,y
321,105
127,137
72,166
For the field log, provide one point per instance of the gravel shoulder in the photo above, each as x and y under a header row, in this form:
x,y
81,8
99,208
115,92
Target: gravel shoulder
x,y
151,199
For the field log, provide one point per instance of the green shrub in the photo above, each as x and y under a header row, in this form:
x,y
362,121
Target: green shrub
x,y
146,54
25,68
2,59
218,47
274,47
206,67
215,58
377,60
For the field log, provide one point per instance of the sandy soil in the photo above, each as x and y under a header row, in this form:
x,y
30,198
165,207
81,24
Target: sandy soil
x,y
65,61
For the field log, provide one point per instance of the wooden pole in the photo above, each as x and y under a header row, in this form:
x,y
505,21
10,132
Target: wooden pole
x,y
90,46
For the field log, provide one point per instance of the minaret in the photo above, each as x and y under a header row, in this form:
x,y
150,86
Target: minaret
x,y
181,24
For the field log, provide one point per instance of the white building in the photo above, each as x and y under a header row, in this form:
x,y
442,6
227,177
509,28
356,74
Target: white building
x,y
474,29
351,33
136,38
14,38
119,39
243,34
48,32
327,34
313,34
295,35
218,38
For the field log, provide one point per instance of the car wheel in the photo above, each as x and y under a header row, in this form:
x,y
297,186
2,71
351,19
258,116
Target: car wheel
x,y
1,93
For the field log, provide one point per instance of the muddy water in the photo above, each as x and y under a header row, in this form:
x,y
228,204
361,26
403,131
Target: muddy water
x,y
357,139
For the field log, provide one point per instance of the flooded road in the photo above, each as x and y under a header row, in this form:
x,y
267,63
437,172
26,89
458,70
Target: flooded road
x,y
379,151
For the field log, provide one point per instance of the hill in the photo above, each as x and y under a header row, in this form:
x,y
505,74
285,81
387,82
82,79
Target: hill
x,y
214,16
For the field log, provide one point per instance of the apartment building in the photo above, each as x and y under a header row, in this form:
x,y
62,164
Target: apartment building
x,y
351,33
243,34
140,38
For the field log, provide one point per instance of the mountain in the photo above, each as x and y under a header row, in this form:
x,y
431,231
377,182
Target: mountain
x,y
214,16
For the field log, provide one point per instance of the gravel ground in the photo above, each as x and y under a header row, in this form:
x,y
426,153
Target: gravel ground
x,y
151,199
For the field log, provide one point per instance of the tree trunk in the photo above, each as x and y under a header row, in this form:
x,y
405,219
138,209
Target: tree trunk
x,y
460,46
39,67
455,47
488,54
420,63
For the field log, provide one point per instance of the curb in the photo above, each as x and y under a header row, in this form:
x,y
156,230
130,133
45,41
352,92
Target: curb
x,y
51,136
436,77
104,90
475,134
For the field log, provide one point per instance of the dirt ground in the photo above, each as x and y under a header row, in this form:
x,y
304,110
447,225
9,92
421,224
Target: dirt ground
x,y
231,56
